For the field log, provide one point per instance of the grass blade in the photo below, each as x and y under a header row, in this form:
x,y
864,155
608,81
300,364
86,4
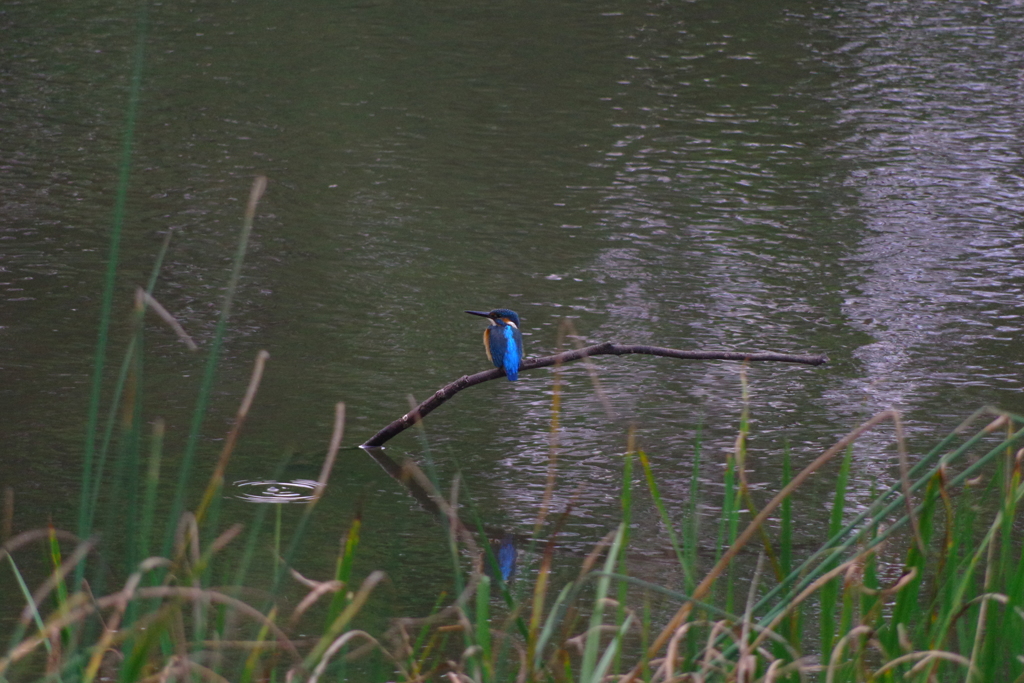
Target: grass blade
x,y
206,385
593,639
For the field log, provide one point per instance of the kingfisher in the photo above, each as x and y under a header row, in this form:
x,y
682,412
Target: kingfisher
x,y
503,341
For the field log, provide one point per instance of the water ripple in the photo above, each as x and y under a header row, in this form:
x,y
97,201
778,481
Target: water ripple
x,y
298,491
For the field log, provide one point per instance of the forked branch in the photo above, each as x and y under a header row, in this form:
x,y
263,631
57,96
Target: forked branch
x,y
605,349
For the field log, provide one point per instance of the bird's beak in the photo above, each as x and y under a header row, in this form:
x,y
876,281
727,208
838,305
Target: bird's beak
x,y
480,313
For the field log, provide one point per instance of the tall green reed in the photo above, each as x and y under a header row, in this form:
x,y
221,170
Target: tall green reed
x,y
86,512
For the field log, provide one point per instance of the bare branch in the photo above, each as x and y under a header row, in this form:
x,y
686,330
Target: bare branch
x,y
605,349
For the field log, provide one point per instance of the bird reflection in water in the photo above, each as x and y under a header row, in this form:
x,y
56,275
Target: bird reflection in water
x,y
501,560
498,559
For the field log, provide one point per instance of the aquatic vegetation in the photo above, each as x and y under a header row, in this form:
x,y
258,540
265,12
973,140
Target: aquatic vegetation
x,y
952,611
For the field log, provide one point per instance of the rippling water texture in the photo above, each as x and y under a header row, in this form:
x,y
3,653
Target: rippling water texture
x,y
805,177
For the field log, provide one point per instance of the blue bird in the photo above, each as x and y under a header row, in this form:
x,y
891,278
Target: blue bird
x,y
503,341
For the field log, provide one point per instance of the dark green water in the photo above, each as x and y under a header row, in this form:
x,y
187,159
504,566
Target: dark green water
x,y
798,177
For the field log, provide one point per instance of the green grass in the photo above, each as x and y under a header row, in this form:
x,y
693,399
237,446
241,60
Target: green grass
x,y
951,612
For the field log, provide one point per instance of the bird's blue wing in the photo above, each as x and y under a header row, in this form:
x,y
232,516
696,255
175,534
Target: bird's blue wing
x,y
512,352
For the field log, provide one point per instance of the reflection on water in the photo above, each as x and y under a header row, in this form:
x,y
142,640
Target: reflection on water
x,y
931,118
500,562
298,491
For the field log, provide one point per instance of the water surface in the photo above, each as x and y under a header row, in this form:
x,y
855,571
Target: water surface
x,y
791,177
